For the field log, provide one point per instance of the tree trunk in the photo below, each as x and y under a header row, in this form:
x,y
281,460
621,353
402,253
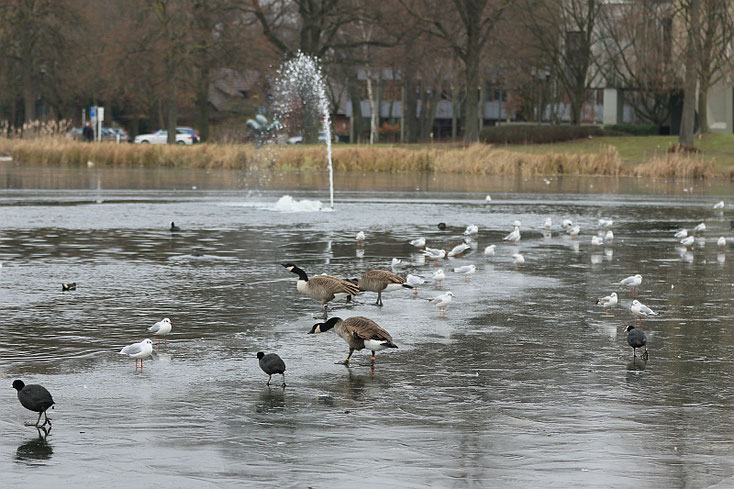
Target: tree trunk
x,y
703,98
410,106
470,112
29,96
374,111
202,104
355,96
171,117
454,113
689,85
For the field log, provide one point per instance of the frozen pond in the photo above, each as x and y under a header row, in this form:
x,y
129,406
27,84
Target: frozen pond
x,y
526,382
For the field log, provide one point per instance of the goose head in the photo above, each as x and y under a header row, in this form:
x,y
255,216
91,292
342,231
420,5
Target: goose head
x,y
325,326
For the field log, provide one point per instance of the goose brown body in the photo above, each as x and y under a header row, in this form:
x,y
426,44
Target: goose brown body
x,y
379,280
359,332
322,288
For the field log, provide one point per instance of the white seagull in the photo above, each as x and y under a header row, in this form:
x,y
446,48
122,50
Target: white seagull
x,y
489,250
606,223
415,281
138,351
161,328
439,277
548,223
688,241
418,242
596,241
681,234
514,236
699,228
567,223
396,262
459,249
609,236
466,270
488,199
719,205
434,254
442,301
573,230
633,281
641,310
607,302
519,259
721,243
361,237
471,229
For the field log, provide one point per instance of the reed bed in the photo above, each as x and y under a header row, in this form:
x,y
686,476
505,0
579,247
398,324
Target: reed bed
x,y
477,159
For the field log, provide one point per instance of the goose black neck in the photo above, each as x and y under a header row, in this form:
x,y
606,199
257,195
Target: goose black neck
x,y
330,323
301,274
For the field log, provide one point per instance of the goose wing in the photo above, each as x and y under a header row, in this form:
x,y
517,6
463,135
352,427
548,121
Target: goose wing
x,y
383,276
334,285
366,329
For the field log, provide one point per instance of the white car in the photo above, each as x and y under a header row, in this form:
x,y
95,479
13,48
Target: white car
x,y
322,138
161,137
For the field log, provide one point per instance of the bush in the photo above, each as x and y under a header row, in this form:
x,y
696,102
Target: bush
x,y
527,134
634,129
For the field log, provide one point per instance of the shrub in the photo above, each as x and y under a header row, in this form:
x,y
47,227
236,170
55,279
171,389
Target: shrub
x,y
528,134
633,129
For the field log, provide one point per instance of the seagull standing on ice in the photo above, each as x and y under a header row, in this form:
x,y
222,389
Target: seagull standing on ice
x,y
632,281
514,236
434,254
488,199
519,259
161,328
139,351
641,310
721,243
360,238
573,230
396,263
607,302
490,250
442,301
609,236
471,229
418,242
596,241
439,277
415,281
459,249
466,270
606,223
567,223
719,205
700,228
548,223
688,241
681,234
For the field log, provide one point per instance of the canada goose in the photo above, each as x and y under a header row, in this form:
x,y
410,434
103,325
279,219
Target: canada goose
x,y
161,328
632,281
36,398
636,339
379,280
641,310
359,333
607,301
323,288
174,228
65,287
138,351
271,364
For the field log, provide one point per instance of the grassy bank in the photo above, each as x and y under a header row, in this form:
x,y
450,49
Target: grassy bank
x,y
641,156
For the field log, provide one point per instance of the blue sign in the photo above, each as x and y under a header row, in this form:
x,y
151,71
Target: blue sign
x,y
92,114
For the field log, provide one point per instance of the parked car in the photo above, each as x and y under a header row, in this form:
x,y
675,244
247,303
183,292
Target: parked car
x,y
194,133
322,138
161,137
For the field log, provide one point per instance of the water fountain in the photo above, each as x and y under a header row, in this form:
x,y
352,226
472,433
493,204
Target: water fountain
x,y
301,81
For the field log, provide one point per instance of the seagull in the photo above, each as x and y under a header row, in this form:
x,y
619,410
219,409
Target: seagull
x,y
488,199
573,230
719,205
514,236
471,229
489,250
415,281
681,234
721,243
606,223
459,249
688,241
641,310
434,254
609,236
596,241
607,302
519,259
439,277
567,223
139,351
548,223
361,237
418,242
396,262
632,281
161,328
466,270
442,301
699,228
516,223
636,339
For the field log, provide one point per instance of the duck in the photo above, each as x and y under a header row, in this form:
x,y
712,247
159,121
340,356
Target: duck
x,y
418,242
608,301
459,249
466,270
271,363
139,351
161,328
174,228
359,332
441,301
67,287
323,288
636,339
379,281
36,398
490,250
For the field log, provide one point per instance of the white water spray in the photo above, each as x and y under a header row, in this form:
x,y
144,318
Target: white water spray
x,y
301,79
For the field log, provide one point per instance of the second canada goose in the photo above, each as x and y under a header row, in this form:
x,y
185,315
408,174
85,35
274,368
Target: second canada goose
x,y
359,333
379,280
323,288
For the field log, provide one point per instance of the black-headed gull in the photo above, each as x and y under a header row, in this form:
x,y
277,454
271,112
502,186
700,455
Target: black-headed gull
x,y
636,339
471,229
596,241
442,301
548,223
161,328
466,270
719,205
414,281
488,199
418,242
573,230
360,237
514,236
607,302
721,242
682,233
396,263
641,310
632,281
459,249
688,241
609,236
700,228
606,223
566,223
271,364
434,254
439,277
490,250
519,259
139,351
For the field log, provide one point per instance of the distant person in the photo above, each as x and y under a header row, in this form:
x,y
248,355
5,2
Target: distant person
x,y
88,132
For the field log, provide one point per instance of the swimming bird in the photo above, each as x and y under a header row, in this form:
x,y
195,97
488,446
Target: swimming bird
x,y
700,228
139,351
36,398
323,288
359,333
719,205
466,270
471,229
609,236
174,228
418,242
439,277
490,250
434,254
607,302
606,223
65,287
641,310
161,328
271,364
519,259
632,281
682,233
548,223
596,241
688,241
459,249
360,237
379,281
441,301
636,339
415,281
441,226
514,236
721,242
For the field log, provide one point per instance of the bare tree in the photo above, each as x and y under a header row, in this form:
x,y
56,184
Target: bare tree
x,y
690,10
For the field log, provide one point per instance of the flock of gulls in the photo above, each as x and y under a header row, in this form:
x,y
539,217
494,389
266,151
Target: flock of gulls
x,y
362,333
